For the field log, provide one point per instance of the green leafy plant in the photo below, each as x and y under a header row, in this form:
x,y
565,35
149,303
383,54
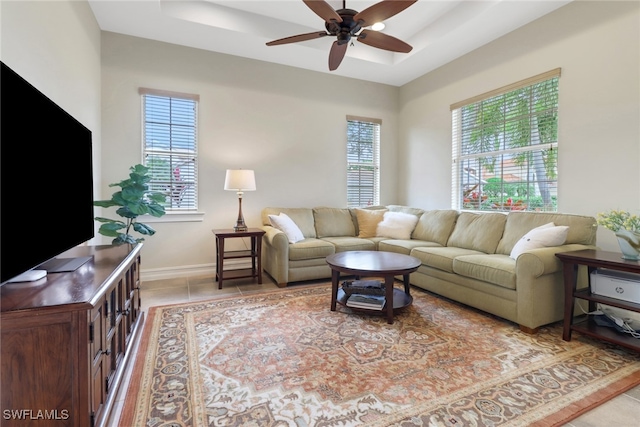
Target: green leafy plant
x,y
615,220
134,199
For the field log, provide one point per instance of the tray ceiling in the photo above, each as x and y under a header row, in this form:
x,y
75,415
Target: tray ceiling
x,y
439,31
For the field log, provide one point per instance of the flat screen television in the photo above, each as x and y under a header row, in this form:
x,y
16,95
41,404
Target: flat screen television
x,y
46,182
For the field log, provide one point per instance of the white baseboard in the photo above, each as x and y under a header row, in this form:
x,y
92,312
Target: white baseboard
x,y
189,270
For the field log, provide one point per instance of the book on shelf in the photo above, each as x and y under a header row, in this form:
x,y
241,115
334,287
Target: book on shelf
x,y
368,287
371,302
367,283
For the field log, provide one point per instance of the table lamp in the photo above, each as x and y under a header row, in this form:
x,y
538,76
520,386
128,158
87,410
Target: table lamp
x,y
240,180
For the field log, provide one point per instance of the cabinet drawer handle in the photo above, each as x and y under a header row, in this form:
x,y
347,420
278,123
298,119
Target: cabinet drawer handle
x,y
107,351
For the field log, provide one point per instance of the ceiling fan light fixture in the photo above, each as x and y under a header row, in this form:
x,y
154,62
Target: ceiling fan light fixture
x,y
378,26
343,37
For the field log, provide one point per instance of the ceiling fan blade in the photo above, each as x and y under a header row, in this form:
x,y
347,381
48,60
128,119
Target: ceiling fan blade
x,y
298,38
336,54
383,41
323,10
381,11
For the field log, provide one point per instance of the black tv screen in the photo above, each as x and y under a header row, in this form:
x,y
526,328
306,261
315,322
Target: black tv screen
x,y
46,178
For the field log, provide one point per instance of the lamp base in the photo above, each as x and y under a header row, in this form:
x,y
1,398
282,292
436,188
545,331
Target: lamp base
x,y
240,224
240,227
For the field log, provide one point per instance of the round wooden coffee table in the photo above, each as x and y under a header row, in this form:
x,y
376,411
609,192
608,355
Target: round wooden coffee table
x,y
378,264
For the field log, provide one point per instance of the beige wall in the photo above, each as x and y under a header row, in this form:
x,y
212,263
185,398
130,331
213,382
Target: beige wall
x,y
597,45
289,125
55,46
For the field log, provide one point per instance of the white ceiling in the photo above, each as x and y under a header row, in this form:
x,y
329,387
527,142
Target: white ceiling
x,y
439,31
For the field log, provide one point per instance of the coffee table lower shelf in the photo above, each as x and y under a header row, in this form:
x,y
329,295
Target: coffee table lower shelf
x,y
400,301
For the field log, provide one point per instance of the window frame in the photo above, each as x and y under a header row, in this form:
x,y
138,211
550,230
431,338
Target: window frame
x,y
174,213
372,187
522,162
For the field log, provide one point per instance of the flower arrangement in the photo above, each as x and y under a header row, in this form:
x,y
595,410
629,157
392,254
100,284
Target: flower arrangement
x,y
616,220
626,228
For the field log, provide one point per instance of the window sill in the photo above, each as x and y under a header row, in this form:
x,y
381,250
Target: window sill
x,y
175,217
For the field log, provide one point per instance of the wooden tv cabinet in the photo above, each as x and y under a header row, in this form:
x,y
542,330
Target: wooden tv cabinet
x,y
65,340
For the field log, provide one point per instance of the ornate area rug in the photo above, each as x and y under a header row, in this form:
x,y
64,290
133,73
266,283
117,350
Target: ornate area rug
x,y
282,358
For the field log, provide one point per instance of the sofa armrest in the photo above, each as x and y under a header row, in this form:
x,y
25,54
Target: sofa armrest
x,y
275,238
275,254
540,285
538,262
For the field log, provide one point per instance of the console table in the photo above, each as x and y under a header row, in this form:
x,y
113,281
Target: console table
x,y
67,338
594,259
255,253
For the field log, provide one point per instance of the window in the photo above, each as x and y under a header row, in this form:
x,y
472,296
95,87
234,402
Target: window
x,y
363,161
505,148
170,123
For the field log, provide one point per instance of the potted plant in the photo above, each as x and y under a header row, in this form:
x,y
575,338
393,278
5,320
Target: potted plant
x,y
134,199
626,228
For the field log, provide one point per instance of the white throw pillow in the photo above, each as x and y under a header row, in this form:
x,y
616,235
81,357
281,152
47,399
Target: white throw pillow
x,y
397,225
285,224
540,237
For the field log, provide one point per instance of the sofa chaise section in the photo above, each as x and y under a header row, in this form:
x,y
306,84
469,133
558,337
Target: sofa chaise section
x,y
477,270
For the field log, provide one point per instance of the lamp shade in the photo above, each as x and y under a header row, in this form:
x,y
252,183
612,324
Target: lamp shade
x,y
240,180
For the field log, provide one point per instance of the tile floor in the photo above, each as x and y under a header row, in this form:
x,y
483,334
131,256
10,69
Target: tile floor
x,y
622,411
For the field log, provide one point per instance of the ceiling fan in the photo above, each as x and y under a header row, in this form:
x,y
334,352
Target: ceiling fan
x,y
346,23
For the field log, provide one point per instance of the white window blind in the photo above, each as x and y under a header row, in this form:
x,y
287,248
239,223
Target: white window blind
x,y
505,148
363,161
170,122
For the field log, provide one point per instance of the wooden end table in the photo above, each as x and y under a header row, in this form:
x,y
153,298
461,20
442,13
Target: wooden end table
x,y
378,264
255,253
594,259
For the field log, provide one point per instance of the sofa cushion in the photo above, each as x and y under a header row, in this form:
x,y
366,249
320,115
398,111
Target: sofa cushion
x,y
332,222
544,236
495,268
435,226
403,246
343,244
406,209
397,225
440,257
368,220
478,231
376,241
285,224
309,249
582,229
303,217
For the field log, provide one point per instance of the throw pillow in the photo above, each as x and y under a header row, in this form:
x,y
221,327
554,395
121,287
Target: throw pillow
x,y
368,220
285,224
541,237
397,225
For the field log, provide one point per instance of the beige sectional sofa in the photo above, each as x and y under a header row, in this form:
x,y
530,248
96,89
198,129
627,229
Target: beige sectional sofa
x,y
465,256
